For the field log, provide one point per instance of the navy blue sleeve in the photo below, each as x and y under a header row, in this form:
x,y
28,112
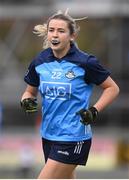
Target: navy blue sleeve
x,y
31,76
95,72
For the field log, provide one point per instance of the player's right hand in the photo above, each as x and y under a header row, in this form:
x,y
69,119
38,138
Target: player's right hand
x,y
29,105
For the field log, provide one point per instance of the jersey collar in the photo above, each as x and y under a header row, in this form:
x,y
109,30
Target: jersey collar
x,y
72,50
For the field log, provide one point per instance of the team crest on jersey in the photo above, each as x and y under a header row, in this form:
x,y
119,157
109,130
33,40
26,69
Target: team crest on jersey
x,y
70,74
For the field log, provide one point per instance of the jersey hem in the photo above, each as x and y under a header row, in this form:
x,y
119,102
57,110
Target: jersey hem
x,y
67,139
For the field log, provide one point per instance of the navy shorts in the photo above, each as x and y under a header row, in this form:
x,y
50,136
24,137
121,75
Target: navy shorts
x,y
67,152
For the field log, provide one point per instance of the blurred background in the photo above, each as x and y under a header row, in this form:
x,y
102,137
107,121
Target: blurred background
x,y
106,35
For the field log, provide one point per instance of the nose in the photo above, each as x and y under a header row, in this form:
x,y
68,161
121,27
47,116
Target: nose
x,y
55,34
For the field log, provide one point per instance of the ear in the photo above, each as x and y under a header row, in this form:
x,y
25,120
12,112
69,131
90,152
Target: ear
x,y
73,37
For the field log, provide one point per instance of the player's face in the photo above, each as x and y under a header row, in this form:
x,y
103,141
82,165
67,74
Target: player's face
x,y
59,36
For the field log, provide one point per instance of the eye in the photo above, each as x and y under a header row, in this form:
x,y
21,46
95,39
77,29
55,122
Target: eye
x,y
50,30
61,31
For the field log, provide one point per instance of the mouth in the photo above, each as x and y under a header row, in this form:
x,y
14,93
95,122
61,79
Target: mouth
x,y
55,42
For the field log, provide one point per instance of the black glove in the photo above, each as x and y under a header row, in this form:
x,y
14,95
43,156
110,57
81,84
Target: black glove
x,y
29,105
88,116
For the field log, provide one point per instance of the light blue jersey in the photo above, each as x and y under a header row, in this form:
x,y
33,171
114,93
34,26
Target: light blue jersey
x,y
64,92
65,86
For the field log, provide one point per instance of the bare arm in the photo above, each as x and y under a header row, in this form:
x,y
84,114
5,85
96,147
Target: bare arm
x,y
30,92
110,91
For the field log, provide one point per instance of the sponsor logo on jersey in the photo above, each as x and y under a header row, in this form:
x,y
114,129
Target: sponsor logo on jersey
x,y
70,74
56,90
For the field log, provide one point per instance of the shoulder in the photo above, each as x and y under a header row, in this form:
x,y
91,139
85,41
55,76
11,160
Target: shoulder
x,y
45,53
92,60
41,57
85,58
80,57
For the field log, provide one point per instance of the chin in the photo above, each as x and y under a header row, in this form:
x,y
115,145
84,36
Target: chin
x,y
55,48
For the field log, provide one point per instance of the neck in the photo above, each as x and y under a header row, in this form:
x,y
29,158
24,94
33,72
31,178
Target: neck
x,y
61,53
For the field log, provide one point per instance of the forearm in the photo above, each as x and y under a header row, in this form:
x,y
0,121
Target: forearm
x,y
108,95
30,92
27,94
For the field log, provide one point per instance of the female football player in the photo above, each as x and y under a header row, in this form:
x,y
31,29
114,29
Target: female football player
x,y
65,76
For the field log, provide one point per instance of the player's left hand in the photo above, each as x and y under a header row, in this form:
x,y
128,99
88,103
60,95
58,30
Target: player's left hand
x,y
88,116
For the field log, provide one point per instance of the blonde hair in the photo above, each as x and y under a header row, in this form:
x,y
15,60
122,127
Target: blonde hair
x,y
41,29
